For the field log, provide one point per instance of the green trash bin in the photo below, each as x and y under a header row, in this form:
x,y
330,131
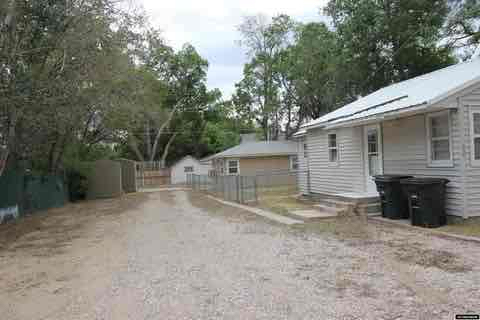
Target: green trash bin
x,y
426,200
392,197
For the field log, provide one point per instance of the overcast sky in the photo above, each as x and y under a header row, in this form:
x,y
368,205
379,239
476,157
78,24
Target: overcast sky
x,y
211,26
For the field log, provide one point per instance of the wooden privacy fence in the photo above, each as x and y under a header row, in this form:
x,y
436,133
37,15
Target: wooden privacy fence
x,y
242,189
150,175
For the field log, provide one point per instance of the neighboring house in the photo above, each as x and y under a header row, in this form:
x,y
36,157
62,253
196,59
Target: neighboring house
x,y
187,165
428,126
252,157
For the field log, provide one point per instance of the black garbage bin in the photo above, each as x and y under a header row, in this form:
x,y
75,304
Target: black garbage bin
x,y
426,200
393,199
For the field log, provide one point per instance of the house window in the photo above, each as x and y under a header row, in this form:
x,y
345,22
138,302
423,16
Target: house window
x,y
294,163
439,140
332,148
233,167
188,169
475,136
305,150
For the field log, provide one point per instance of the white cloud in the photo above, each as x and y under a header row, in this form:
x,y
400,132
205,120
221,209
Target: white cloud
x,y
211,26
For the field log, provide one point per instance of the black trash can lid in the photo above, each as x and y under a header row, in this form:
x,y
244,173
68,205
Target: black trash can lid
x,y
390,177
425,181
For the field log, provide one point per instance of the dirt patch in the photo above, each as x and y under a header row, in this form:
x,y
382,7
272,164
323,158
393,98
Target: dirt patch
x,y
51,231
353,230
470,228
440,259
216,208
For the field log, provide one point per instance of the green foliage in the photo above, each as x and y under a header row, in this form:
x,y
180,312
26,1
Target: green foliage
x,y
389,41
257,94
463,27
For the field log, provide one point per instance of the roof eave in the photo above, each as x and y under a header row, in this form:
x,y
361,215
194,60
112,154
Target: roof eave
x,y
262,155
386,116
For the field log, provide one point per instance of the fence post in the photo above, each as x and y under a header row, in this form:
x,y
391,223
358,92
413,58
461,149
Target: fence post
x,y
237,185
240,192
255,189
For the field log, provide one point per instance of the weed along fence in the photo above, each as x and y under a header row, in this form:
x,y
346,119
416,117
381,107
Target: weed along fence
x,y
242,189
246,189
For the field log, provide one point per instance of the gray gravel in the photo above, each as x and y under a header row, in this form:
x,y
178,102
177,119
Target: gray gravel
x,y
182,256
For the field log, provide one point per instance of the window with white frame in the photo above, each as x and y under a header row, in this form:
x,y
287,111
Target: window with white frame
x,y
475,135
439,139
332,147
188,169
294,163
233,167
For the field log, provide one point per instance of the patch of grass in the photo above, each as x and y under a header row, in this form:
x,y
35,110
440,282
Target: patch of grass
x,y
284,191
469,228
281,204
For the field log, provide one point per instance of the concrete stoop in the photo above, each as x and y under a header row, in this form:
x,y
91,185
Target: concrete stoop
x,y
346,205
311,215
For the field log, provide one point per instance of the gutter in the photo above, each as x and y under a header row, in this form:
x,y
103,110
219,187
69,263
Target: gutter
x,y
387,115
325,123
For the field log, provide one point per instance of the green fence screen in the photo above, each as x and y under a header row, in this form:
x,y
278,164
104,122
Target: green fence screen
x,y
22,193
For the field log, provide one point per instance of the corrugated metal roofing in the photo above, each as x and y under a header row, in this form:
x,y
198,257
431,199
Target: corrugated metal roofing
x,y
426,89
259,149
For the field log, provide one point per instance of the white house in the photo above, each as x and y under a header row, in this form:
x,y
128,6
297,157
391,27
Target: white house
x,y
187,165
428,126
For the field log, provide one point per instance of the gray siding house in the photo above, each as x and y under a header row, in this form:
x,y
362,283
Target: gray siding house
x,y
428,126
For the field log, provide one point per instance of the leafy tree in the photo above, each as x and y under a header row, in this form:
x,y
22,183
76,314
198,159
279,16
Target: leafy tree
x,y
257,94
463,27
390,40
58,62
311,74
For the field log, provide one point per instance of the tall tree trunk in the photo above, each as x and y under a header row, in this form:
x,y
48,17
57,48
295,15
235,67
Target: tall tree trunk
x,y
134,146
165,151
148,139
161,130
60,153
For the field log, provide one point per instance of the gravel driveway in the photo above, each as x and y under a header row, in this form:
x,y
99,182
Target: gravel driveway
x,y
175,255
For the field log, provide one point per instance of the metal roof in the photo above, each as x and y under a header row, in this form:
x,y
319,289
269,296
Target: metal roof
x,y
425,90
259,149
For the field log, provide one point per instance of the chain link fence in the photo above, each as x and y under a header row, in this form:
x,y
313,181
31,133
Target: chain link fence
x,y
246,189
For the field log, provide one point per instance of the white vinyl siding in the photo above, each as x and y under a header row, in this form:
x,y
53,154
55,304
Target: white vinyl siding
x,y
302,176
188,165
406,152
348,175
471,103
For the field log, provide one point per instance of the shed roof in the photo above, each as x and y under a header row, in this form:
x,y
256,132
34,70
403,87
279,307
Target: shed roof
x,y
425,90
259,149
183,159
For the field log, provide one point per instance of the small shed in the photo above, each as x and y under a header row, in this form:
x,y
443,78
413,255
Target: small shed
x,y
187,165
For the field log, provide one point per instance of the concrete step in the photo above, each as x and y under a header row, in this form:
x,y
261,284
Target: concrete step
x,y
311,215
327,208
334,203
370,207
374,214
